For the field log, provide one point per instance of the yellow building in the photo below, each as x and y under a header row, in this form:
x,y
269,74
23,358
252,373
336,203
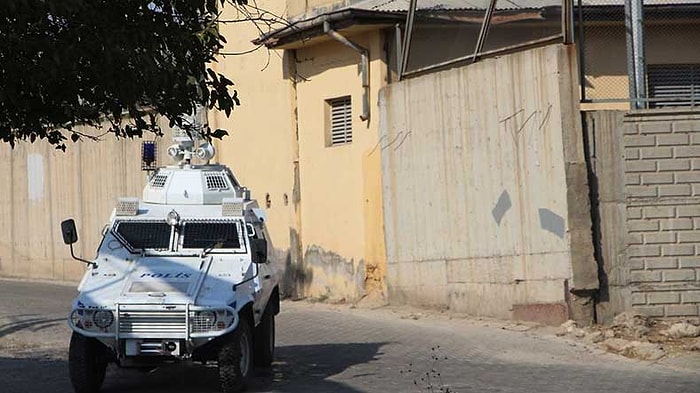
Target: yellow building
x,y
310,110
300,142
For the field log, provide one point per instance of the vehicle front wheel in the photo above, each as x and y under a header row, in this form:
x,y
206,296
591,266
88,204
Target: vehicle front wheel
x,y
87,363
235,359
265,340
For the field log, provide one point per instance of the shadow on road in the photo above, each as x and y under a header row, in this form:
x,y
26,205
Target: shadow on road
x,y
298,368
324,368
34,375
307,368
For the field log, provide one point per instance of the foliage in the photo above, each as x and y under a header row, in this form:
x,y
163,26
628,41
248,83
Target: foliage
x,y
112,65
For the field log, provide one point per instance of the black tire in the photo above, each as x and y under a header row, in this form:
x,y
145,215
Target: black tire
x,y
87,363
236,359
265,340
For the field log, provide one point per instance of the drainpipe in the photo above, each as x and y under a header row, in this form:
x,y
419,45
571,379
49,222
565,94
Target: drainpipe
x,y
364,65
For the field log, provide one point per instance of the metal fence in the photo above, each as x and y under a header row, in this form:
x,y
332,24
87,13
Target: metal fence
x,y
632,53
639,53
442,33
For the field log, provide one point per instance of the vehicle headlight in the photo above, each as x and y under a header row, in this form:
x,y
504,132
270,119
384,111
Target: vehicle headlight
x,y
95,320
205,319
103,318
76,317
210,320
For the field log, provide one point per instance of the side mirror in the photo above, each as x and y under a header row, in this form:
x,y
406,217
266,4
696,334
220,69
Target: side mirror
x,y
258,250
70,233
70,236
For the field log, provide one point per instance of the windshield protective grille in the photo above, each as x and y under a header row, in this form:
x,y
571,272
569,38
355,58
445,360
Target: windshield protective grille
x,y
211,235
139,235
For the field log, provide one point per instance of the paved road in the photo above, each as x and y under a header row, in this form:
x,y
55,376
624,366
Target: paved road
x,y
330,349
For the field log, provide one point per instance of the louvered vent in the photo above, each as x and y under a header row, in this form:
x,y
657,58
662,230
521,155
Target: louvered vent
x,y
673,85
158,181
215,181
340,118
152,323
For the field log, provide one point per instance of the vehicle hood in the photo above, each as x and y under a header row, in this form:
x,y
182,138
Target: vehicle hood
x,y
147,280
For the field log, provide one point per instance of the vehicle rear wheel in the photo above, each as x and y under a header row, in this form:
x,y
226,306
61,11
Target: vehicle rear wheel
x,y
235,359
265,340
87,363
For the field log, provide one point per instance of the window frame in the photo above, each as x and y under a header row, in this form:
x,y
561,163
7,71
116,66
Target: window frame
x,y
688,74
345,103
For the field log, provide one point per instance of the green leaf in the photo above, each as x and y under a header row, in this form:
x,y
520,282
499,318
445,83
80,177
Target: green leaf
x,y
73,62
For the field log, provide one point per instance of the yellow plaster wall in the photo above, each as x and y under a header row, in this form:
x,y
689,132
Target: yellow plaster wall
x,y
337,224
340,185
259,148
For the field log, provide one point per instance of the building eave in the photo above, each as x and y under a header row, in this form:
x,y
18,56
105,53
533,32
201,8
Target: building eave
x,y
298,34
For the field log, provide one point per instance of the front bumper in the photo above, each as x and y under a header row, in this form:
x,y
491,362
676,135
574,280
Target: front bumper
x,y
155,322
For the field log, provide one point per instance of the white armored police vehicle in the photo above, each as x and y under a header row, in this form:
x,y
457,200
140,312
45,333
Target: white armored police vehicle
x,y
181,275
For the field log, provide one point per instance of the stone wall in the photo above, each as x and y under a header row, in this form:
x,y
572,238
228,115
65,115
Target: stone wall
x,y
646,191
662,184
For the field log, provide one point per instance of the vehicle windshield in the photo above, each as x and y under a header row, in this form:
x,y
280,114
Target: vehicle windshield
x,y
210,235
139,235
200,234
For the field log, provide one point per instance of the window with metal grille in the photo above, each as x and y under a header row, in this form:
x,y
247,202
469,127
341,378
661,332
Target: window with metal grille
x,y
211,235
339,120
139,235
673,85
215,181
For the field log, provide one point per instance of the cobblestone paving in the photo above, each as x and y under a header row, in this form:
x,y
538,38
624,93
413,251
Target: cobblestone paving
x,y
335,349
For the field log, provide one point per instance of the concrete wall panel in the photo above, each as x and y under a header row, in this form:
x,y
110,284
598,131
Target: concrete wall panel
x,y
428,278
477,171
46,186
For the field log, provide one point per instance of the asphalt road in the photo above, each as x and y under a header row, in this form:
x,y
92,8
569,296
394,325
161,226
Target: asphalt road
x,y
336,349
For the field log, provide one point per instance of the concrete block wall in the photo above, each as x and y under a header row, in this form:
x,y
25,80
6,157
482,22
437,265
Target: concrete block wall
x,y
662,190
